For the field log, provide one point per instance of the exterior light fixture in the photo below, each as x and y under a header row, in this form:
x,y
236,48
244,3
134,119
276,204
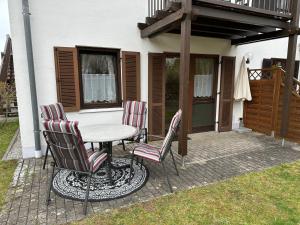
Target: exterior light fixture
x,y
248,57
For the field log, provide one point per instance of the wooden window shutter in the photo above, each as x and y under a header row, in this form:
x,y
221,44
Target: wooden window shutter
x,y
226,93
67,78
156,94
131,76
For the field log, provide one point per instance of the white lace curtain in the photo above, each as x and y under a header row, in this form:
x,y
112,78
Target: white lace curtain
x,y
203,80
98,78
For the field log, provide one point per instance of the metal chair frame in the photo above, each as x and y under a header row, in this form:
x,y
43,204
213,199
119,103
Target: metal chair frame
x,y
161,158
143,134
54,165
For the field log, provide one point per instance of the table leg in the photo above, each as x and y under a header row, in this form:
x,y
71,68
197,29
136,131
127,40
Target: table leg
x,y
109,152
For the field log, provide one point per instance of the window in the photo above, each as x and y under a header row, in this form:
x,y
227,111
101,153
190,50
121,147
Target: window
x,y
89,77
204,78
99,76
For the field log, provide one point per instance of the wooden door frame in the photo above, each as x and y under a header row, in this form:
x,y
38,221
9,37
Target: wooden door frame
x,y
191,83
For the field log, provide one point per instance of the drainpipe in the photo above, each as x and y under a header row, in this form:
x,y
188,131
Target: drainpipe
x,y
34,106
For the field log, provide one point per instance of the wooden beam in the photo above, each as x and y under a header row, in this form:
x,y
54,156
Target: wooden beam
x,y
261,37
184,74
221,14
219,30
151,20
290,68
233,25
233,29
160,14
162,24
211,34
203,34
287,94
142,26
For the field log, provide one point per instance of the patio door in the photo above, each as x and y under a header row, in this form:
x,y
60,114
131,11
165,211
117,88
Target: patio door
x,y
203,92
172,63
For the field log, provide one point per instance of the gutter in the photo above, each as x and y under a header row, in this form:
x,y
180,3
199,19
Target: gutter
x,y
31,73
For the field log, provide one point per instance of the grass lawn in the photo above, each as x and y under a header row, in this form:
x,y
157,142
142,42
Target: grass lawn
x,y
7,168
271,197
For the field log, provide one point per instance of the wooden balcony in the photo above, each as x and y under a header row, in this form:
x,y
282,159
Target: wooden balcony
x,y
241,21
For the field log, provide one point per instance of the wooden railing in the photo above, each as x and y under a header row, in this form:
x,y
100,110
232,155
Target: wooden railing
x,y
156,5
268,6
278,6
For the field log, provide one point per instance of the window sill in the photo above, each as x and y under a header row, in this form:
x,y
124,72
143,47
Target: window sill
x,y
83,111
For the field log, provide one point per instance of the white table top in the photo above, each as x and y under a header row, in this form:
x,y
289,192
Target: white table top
x,y
106,132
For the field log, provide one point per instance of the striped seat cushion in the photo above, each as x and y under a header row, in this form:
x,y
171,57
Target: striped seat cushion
x,y
96,159
68,156
156,154
53,112
135,114
171,132
147,151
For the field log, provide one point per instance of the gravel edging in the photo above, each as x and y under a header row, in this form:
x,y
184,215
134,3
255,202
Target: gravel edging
x,y
11,144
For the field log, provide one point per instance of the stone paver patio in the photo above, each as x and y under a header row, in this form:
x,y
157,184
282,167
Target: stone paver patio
x,y
212,157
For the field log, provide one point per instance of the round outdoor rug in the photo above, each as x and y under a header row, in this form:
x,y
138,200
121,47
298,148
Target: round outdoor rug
x,y
72,185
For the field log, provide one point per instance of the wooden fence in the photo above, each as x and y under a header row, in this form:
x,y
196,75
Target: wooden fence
x,y
263,114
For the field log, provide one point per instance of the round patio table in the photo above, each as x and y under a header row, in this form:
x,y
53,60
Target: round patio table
x,y
106,134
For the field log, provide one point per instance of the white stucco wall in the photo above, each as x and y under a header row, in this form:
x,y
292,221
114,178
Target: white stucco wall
x,y
99,24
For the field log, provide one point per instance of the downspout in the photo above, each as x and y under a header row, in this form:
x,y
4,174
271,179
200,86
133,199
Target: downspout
x,y
33,95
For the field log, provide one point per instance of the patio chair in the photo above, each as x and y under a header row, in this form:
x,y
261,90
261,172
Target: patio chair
x,y
158,155
69,152
135,115
52,112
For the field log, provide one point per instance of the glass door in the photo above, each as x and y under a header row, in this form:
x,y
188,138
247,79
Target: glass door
x,y
172,88
203,88
204,85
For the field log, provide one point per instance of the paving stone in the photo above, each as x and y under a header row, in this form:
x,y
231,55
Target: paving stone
x,y
211,157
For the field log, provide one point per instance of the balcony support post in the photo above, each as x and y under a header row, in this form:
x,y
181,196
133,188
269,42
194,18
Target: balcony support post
x,y
184,75
291,61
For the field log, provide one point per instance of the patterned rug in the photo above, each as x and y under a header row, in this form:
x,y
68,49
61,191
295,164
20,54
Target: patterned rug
x,y
72,185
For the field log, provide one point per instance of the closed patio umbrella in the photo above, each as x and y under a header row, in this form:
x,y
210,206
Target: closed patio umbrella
x,y
242,86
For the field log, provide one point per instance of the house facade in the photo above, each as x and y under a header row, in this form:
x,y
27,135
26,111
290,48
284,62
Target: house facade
x,y
90,56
